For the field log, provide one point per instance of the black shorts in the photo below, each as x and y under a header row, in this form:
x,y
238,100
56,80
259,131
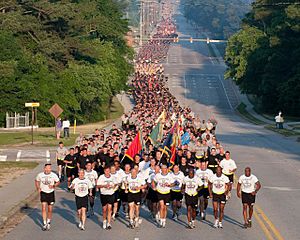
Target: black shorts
x,y
220,198
191,201
231,177
107,199
164,197
176,196
152,195
47,197
248,198
123,195
60,162
203,193
116,196
71,172
135,197
82,202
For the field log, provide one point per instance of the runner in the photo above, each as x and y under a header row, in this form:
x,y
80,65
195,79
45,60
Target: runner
x,y
218,189
152,196
247,188
83,187
213,161
204,174
107,183
228,168
135,184
190,186
45,183
176,195
92,175
123,194
61,153
163,182
71,166
118,178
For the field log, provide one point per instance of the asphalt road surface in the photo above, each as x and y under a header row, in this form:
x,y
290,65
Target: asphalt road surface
x,y
197,80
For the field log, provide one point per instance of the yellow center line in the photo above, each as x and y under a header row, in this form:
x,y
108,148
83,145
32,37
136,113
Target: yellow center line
x,y
269,222
263,227
265,223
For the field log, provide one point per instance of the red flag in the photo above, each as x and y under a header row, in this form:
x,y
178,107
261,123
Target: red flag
x,y
135,147
173,154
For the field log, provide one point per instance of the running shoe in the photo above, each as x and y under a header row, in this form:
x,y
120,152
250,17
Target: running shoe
x,y
193,224
104,225
48,227
245,225
82,228
80,225
108,226
216,225
175,217
44,227
249,223
220,225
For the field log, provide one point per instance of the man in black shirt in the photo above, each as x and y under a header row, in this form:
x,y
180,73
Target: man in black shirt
x,y
71,166
213,161
83,159
183,166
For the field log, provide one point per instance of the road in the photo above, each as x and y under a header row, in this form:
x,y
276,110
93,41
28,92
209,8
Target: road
x,y
197,80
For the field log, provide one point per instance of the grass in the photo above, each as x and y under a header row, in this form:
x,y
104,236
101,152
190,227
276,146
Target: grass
x,y
46,136
13,164
245,114
284,132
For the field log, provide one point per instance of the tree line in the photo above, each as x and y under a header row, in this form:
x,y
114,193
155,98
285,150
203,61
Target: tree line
x,y
69,52
263,57
221,18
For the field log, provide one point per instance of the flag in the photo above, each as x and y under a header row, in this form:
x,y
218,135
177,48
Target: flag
x,y
135,147
185,138
155,134
173,148
162,117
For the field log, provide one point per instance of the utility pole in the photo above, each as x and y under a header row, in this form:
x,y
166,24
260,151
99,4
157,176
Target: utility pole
x,y
141,23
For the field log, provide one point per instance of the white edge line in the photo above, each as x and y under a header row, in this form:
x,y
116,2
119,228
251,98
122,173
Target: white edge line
x,y
225,92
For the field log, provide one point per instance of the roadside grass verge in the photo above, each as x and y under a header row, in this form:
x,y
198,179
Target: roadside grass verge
x,y
246,115
14,164
285,132
45,137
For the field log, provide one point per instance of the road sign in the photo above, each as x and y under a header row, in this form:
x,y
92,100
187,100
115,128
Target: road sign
x,y
55,110
32,104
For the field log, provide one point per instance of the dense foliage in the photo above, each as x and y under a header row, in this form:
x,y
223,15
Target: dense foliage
x,y
68,52
263,57
220,17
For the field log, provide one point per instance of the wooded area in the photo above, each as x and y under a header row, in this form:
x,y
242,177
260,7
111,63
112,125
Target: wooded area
x,y
263,57
68,52
220,17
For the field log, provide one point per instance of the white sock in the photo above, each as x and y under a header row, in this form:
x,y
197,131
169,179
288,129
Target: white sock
x,y
48,220
45,222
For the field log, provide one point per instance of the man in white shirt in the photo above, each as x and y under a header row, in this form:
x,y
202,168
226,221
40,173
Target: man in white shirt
x,y
247,188
190,186
204,174
176,195
228,169
162,183
45,183
107,184
66,127
83,187
92,175
218,189
135,183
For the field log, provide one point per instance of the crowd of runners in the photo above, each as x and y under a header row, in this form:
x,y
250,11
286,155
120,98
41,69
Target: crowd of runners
x,y
197,170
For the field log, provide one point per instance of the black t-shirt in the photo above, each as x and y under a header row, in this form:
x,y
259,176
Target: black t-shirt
x,y
184,169
83,160
190,160
104,158
212,162
72,158
220,157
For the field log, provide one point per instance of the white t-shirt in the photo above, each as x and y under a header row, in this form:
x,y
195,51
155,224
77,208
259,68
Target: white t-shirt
x,y
111,181
144,165
219,183
92,176
248,183
191,185
46,180
148,172
162,181
81,186
227,165
178,178
124,178
133,183
204,176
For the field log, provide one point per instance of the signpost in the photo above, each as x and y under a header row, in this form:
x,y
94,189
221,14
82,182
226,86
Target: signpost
x,y
32,105
55,111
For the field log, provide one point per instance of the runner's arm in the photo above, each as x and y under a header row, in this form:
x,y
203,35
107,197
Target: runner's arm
x,y
238,190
